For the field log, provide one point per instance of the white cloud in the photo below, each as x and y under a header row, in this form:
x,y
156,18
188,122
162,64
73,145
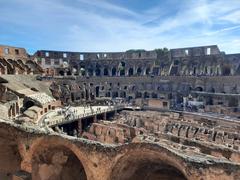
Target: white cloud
x,y
94,25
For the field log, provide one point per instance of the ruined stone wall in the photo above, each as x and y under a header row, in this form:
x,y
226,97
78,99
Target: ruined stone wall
x,y
189,126
211,90
44,156
204,61
15,60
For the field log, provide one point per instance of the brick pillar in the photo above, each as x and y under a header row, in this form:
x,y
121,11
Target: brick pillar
x,y
105,116
95,118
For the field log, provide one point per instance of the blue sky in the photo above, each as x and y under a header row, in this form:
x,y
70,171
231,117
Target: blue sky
x,y
119,25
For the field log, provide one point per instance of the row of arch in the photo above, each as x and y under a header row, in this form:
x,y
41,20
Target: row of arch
x,y
135,163
116,71
11,66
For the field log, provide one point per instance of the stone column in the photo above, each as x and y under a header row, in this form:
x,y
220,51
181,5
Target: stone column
x,y
105,116
95,118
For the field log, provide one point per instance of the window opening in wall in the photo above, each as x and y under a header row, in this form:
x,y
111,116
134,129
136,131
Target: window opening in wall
x,y
47,54
186,52
81,57
48,61
98,55
139,55
56,61
208,51
6,51
64,55
165,104
16,51
105,55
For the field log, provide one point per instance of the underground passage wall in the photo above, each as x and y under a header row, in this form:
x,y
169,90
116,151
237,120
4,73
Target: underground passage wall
x,y
57,163
146,166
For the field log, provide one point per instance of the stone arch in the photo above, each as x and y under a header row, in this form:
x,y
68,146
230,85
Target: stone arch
x,y
130,72
53,153
98,72
139,71
146,163
114,71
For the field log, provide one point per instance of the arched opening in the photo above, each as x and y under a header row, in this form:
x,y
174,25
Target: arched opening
x,y
108,94
90,72
105,72
147,71
194,70
97,91
130,72
139,71
114,71
212,90
209,101
155,71
154,95
61,73
122,72
146,95
114,94
176,62
145,166
198,88
98,72
57,163
69,73
226,70
138,95
28,104
233,102
123,94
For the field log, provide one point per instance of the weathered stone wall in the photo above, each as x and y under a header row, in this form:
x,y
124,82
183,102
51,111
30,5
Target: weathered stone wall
x,y
49,156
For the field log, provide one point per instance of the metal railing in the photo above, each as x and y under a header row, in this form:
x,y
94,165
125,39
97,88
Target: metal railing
x,y
72,118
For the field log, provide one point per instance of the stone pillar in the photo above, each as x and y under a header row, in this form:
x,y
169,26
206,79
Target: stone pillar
x,y
95,118
105,116
144,71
